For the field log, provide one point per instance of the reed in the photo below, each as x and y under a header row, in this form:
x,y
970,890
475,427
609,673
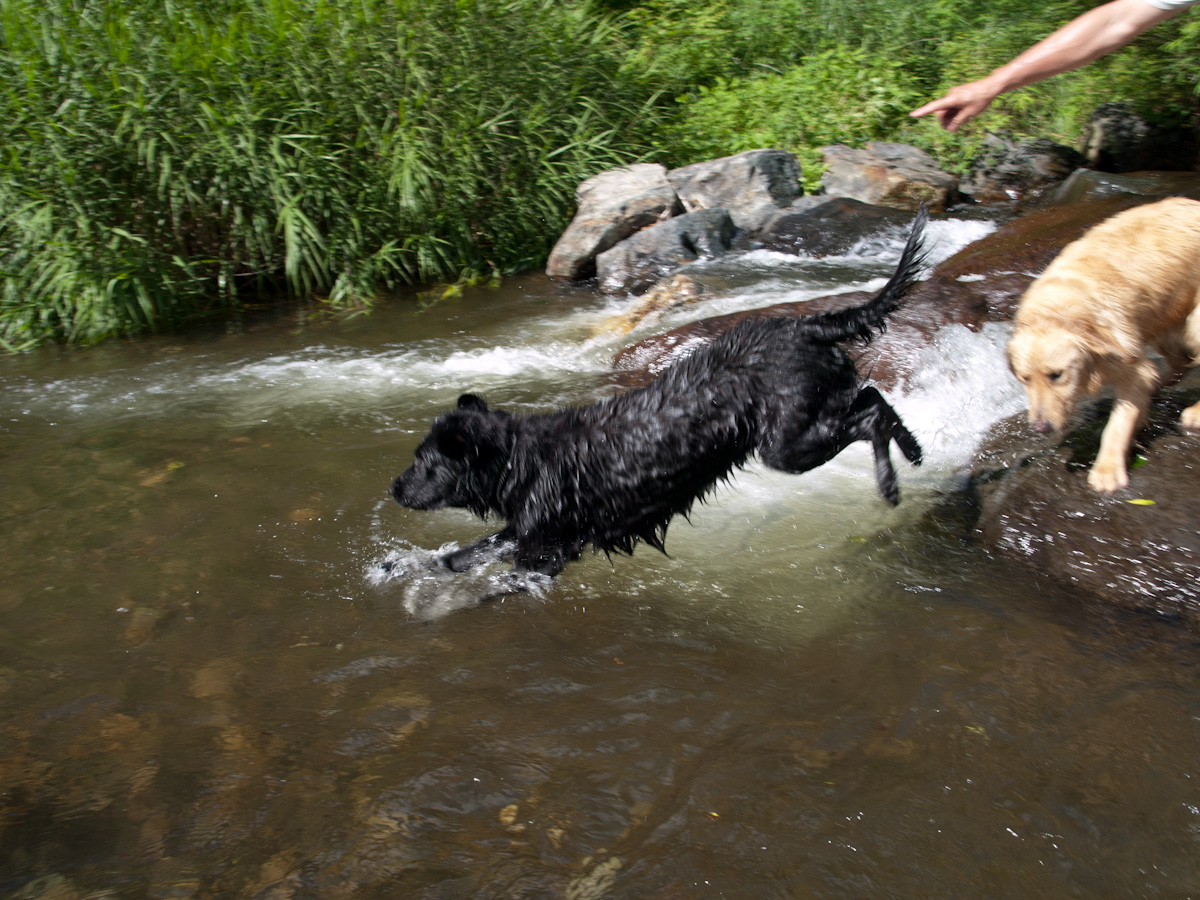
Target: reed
x,y
165,161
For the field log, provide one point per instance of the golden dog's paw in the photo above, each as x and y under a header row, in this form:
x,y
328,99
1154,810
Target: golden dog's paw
x,y
1108,479
1191,417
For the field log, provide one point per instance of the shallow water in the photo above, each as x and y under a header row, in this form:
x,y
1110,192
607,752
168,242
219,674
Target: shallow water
x,y
210,688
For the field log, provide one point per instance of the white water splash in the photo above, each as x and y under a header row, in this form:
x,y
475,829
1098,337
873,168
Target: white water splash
x,y
430,591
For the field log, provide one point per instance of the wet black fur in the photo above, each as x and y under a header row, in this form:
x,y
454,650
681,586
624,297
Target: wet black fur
x,y
616,473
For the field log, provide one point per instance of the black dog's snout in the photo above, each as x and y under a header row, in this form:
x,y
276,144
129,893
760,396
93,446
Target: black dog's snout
x,y
397,489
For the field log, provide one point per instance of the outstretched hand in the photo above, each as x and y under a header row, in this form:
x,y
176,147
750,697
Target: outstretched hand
x,y
960,105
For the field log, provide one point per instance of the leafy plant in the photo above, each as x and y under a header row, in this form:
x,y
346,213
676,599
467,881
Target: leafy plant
x,y
836,96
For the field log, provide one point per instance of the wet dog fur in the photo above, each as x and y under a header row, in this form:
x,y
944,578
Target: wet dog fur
x,y
1130,283
615,473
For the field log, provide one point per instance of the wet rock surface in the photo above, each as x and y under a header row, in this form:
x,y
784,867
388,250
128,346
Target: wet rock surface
x,y
1138,549
1089,185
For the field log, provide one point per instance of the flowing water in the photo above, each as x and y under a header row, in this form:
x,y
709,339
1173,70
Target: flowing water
x,y
211,687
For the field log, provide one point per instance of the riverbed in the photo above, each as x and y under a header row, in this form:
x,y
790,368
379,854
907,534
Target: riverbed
x,y
227,669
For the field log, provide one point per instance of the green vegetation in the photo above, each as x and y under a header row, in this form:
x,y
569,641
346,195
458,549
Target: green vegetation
x,y
165,160
798,74
162,161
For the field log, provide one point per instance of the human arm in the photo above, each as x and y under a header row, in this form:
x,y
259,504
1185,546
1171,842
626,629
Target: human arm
x,y
1095,33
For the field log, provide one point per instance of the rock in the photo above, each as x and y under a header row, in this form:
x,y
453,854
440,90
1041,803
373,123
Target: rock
x,y
831,226
884,174
1117,139
1138,549
1088,185
637,263
1011,171
676,290
751,185
612,206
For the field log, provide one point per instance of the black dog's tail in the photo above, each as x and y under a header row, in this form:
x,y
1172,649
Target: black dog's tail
x,y
862,322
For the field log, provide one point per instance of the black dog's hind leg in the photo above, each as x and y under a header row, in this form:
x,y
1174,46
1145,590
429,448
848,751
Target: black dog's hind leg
x,y
872,418
500,545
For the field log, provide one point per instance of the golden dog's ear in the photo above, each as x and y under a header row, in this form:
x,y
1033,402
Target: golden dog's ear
x,y
1100,340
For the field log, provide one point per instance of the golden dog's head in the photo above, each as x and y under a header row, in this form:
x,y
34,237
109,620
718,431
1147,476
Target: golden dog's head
x,y
1056,368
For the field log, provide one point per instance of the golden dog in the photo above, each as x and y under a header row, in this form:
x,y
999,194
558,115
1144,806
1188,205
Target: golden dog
x,y
1130,283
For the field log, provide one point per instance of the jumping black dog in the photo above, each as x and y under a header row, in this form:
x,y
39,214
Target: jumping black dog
x,y
616,473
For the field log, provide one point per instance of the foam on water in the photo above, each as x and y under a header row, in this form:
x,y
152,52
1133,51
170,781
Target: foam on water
x,y
332,378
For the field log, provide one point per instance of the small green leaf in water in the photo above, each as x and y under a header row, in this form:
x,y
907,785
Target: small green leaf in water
x,y
1140,502
1138,461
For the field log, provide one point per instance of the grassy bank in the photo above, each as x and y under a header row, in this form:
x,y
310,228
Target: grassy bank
x,y
164,161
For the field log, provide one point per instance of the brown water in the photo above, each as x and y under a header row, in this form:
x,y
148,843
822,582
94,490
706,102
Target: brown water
x,y
208,688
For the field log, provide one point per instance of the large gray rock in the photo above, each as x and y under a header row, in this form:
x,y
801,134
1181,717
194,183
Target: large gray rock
x,y
612,206
1117,139
634,265
1007,170
751,185
884,174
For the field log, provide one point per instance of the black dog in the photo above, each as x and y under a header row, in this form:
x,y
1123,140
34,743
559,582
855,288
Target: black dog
x,y
615,473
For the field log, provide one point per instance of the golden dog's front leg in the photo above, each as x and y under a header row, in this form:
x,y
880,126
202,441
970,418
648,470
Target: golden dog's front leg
x,y
1190,417
1109,472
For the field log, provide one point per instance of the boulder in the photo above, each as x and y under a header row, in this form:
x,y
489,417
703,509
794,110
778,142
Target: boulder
x,y
611,206
635,264
1006,170
751,185
1117,139
884,174
826,226
1138,549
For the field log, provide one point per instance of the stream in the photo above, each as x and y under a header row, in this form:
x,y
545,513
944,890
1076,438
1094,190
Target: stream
x,y
227,670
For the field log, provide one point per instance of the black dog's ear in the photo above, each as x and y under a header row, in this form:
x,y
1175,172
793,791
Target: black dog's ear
x,y
472,401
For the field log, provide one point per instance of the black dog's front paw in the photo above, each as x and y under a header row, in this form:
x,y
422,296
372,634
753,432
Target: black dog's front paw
x,y
457,560
490,549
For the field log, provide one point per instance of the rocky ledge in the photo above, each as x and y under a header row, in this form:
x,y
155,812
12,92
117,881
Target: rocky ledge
x,y
1027,496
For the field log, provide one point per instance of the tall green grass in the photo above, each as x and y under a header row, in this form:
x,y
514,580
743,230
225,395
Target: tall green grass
x,y
161,161
167,160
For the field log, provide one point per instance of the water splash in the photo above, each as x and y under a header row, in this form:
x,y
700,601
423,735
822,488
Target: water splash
x,y
429,591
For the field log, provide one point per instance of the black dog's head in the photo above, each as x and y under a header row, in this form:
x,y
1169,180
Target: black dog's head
x,y
460,461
